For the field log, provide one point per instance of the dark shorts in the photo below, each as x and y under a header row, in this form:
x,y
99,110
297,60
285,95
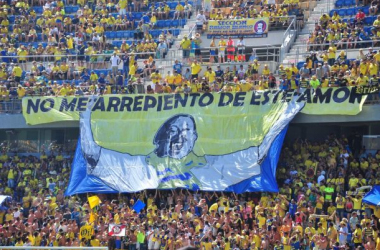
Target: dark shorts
x,y
194,76
197,52
186,53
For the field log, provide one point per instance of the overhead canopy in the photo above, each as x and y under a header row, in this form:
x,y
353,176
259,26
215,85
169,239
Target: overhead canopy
x,y
373,196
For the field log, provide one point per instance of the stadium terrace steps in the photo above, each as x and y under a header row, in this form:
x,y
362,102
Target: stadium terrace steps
x,y
175,53
322,7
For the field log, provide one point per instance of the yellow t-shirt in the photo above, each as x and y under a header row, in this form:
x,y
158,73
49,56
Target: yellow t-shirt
x,y
95,243
195,68
185,44
17,71
210,76
358,233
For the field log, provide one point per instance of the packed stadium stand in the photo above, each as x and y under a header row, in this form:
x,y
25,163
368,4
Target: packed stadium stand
x,y
326,169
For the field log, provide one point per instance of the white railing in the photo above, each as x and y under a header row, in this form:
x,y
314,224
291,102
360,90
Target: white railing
x,y
289,38
303,50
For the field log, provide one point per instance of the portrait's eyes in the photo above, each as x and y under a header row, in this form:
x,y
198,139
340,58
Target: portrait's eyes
x,y
173,131
184,130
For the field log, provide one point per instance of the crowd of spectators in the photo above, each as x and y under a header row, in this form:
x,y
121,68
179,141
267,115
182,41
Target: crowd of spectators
x,y
317,207
50,34
332,68
360,31
67,43
321,69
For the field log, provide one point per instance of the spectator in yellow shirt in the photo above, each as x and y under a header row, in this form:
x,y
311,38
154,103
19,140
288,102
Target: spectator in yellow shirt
x,y
196,68
17,73
179,11
210,75
21,92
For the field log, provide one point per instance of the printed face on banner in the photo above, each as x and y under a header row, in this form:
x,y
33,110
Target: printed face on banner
x,y
260,27
176,137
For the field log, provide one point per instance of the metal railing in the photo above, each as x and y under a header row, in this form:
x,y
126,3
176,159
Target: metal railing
x,y
301,44
68,56
289,37
303,50
12,106
271,65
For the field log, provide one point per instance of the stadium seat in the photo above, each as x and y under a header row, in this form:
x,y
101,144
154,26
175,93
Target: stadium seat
x,y
358,8
69,9
109,35
347,3
351,12
368,20
366,10
168,23
367,30
119,34
331,13
155,33
77,82
172,5
138,16
176,32
300,65
342,12
339,4
38,9
116,43
160,24
175,23
75,8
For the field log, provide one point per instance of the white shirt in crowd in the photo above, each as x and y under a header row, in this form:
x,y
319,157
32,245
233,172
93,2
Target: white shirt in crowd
x,y
241,44
115,60
201,19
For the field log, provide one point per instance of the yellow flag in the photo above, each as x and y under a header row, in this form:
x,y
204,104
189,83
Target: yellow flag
x,y
94,201
92,218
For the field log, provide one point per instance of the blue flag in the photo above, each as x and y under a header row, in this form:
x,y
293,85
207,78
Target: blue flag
x,y
139,205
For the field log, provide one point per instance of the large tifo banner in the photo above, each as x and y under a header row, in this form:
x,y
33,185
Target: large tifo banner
x,y
241,27
200,141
